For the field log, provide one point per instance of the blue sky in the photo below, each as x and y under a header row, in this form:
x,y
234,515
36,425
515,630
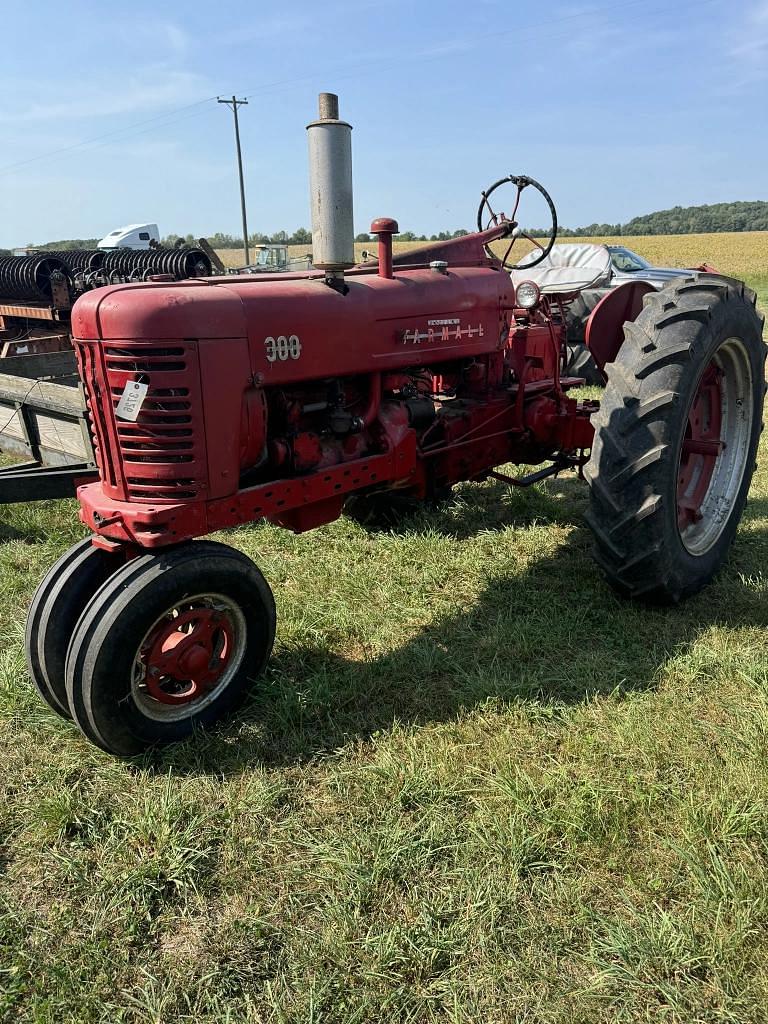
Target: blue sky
x,y
620,108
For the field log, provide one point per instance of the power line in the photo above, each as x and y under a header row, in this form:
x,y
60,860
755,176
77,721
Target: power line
x,y
234,103
106,135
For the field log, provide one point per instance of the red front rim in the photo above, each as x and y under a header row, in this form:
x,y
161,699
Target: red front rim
x,y
184,657
702,447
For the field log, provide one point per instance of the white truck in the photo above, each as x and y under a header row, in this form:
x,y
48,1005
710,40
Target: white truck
x,y
132,236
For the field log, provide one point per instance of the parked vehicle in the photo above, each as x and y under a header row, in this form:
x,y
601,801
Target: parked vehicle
x,y
601,268
132,236
627,265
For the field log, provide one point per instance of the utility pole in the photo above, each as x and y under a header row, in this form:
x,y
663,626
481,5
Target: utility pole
x,y
234,103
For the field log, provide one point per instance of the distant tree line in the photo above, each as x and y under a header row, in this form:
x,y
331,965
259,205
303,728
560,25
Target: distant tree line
x,y
680,220
741,216
700,219
65,243
410,236
302,236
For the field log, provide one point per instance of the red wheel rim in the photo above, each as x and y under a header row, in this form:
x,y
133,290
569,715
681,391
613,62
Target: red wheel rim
x,y
701,448
186,655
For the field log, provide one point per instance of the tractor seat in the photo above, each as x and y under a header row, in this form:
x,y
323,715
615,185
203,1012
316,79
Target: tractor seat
x,y
568,268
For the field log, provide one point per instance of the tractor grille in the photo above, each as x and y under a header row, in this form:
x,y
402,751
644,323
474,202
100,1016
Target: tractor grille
x,y
162,454
87,359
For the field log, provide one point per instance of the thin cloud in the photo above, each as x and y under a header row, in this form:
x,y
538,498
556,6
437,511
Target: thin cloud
x,y
748,52
151,90
178,39
263,28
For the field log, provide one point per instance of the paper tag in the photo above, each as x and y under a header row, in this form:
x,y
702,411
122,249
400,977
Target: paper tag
x,y
131,401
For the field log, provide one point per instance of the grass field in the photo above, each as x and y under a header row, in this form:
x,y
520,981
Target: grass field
x,y
474,786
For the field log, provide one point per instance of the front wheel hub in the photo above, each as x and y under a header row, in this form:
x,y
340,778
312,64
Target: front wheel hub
x,y
188,655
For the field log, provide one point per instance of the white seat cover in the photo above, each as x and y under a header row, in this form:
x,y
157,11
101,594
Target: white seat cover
x,y
568,268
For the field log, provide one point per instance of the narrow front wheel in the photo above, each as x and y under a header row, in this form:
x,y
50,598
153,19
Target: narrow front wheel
x,y
59,601
170,644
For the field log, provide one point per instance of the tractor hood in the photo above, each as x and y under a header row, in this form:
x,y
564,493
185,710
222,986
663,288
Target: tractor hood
x,y
156,311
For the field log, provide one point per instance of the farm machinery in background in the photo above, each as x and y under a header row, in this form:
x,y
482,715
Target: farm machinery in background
x,y
224,401
273,258
42,411
37,290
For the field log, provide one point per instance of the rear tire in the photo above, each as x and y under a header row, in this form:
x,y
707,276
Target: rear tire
x,y
579,359
170,644
666,494
581,364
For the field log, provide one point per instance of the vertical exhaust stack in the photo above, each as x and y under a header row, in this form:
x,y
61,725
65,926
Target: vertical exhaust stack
x,y
330,188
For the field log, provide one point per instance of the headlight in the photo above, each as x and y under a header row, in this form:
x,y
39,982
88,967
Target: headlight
x,y
527,295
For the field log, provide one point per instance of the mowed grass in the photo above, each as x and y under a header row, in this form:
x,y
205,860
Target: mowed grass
x,y
473,786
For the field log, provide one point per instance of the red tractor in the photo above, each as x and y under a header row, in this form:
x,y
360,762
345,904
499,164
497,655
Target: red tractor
x,y
230,400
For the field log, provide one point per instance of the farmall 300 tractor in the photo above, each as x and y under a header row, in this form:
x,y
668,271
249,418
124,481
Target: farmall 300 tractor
x,y
230,400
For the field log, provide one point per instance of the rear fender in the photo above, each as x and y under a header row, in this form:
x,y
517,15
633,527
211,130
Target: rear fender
x,y
605,327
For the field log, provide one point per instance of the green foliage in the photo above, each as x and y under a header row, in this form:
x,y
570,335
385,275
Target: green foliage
x,y
66,243
171,240
679,220
444,236
700,219
302,236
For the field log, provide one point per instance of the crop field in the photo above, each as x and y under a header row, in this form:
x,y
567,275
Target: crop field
x,y
737,253
473,786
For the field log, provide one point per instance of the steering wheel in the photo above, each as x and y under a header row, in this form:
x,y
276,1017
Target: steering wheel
x,y
491,219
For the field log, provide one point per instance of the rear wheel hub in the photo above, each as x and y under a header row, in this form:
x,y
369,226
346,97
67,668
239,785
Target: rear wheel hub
x,y
714,447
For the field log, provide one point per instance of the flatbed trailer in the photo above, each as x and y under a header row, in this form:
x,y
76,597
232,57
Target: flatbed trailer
x,y
43,422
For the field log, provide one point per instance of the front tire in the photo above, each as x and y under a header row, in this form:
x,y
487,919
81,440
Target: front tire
x,y
59,601
676,438
170,644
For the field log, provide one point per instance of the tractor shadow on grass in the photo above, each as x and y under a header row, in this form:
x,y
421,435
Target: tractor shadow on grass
x,y
551,634
29,534
554,636
478,508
